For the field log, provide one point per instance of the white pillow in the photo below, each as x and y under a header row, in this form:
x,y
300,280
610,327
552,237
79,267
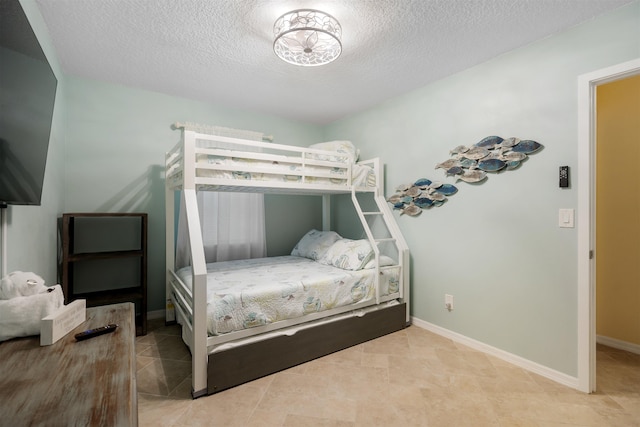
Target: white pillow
x,y
384,262
344,147
314,244
348,254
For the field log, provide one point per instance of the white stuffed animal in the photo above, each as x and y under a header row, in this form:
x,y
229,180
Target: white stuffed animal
x,y
20,284
24,301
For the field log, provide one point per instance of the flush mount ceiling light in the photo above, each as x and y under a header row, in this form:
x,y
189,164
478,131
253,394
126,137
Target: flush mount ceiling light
x,y
307,37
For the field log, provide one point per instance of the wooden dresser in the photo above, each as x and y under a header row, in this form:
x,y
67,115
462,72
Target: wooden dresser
x,y
83,383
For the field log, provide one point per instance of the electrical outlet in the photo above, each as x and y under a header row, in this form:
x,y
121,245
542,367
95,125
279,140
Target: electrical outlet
x,y
448,301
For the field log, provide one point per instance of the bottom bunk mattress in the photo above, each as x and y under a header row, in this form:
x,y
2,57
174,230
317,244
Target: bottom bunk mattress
x,y
248,293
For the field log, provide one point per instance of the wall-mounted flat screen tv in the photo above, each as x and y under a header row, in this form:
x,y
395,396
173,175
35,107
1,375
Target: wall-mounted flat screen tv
x,y
27,96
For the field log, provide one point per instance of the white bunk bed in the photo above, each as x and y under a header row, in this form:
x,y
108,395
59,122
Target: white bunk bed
x,y
223,356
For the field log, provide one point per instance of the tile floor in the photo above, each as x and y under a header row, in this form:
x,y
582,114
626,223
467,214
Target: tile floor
x,y
410,378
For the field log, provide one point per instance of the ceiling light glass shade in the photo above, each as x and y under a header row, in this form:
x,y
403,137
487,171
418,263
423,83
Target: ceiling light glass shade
x,y
307,37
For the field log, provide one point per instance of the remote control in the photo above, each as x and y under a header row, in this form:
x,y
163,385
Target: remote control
x,y
90,333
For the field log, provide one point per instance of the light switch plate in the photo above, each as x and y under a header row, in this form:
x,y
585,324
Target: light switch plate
x,y
566,218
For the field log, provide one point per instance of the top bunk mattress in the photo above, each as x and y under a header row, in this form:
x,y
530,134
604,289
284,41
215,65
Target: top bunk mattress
x,y
248,293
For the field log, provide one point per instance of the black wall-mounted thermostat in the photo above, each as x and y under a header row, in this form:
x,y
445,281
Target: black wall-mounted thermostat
x,y
564,176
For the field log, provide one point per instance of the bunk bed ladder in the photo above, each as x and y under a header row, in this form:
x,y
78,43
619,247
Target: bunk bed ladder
x,y
389,232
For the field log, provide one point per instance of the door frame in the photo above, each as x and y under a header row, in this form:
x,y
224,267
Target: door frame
x,y
586,217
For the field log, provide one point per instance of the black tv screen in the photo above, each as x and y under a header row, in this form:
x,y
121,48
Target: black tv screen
x,y
27,97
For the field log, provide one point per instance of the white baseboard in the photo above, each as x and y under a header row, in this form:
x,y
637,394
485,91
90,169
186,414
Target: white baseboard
x,y
619,344
521,362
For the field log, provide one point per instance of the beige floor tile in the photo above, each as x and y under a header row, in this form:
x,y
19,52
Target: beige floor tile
x,y
349,356
409,378
159,410
169,348
142,361
161,376
211,414
516,422
388,344
374,360
266,418
414,372
303,421
182,390
375,414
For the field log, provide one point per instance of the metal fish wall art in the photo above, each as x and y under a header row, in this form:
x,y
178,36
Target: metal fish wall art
x,y
470,164
491,154
412,199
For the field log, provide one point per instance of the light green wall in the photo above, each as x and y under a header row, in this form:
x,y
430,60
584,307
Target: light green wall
x,y
116,140
31,230
288,218
496,247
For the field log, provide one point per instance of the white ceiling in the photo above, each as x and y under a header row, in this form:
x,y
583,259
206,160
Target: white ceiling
x,y
220,51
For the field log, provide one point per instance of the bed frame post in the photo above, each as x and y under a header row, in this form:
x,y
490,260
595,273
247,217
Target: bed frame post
x,y
199,297
169,198
199,270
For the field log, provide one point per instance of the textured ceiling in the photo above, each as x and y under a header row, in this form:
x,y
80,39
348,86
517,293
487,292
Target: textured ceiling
x,y
221,50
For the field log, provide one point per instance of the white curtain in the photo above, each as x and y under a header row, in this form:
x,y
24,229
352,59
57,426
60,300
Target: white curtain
x,y
232,223
232,227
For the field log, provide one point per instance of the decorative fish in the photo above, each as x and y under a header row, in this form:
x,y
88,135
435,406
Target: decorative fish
x,y
447,189
511,156
513,164
447,164
456,170
437,197
527,147
493,154
423,194
411,210
509,142
413,191
403,187
476,153
489,142
474,175
422,182
491,165
394,198
468,163
490,154
423,202
459,150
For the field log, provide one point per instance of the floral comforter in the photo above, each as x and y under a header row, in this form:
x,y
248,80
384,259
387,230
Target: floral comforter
x,y
248,293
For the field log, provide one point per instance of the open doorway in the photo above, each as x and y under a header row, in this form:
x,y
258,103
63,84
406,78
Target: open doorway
x,y
617,239
587,90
